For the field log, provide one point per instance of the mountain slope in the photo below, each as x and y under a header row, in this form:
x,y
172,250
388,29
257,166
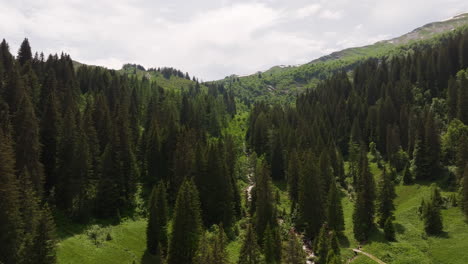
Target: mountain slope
x,y
281,83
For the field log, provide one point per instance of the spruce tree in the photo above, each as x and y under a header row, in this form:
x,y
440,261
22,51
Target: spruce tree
x,y
293,252
293,177
45,242
323,244
156,232
24,53
220,255
431,215
264,209
311,203
363,215
386,194
10,217
250,252
272,245
335,217
28,147
186,229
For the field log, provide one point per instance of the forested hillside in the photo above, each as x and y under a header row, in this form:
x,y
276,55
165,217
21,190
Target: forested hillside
x,y
149,166
282,84
92,143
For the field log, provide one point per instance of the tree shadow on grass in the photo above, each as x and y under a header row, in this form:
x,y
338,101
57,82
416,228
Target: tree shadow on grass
x,y
399,228
344,241
148,258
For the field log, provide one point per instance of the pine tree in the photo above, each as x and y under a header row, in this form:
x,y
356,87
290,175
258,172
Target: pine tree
x,y
311,202
277,159
293,177
45,242
24,53
293,252
186,229
264,209
325,169
385,206
204,252
156,232
323,244
50,134
335,217
220,255
363,215
10,217
272,245
250,252
431,215
28,147
432,143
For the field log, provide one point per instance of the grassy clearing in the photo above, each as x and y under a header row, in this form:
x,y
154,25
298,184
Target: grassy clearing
x,y
127,245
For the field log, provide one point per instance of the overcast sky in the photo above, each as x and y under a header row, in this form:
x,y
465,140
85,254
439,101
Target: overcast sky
x,y
211,39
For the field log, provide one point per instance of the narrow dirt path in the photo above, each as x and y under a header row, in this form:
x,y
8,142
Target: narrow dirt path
x,y
369,256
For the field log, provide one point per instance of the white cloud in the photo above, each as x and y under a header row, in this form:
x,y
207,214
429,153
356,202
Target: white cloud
x,y
309,10
329,14
210,39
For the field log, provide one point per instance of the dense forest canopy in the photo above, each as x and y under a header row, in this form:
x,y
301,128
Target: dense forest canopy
x,y
88,146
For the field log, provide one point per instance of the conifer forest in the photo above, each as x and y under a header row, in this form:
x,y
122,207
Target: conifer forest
x,y
362,158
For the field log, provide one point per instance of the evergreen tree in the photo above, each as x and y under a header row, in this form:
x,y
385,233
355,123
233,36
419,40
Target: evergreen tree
x,y
24,53
293,252
272,245
264,209
250,252
385,206
311,206
45,242
156,232
10,217
28,147
432,145
431,215
220,255
277,159
335,217
323,244
363,215
293,177
186,229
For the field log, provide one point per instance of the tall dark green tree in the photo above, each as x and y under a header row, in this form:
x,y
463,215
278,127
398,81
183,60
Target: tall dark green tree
x,y
45,241
363,215
293,252
292,175
24,53
311,203
386,194
186,228
10,217
264,209
250,251
28,147
335,217
156,232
